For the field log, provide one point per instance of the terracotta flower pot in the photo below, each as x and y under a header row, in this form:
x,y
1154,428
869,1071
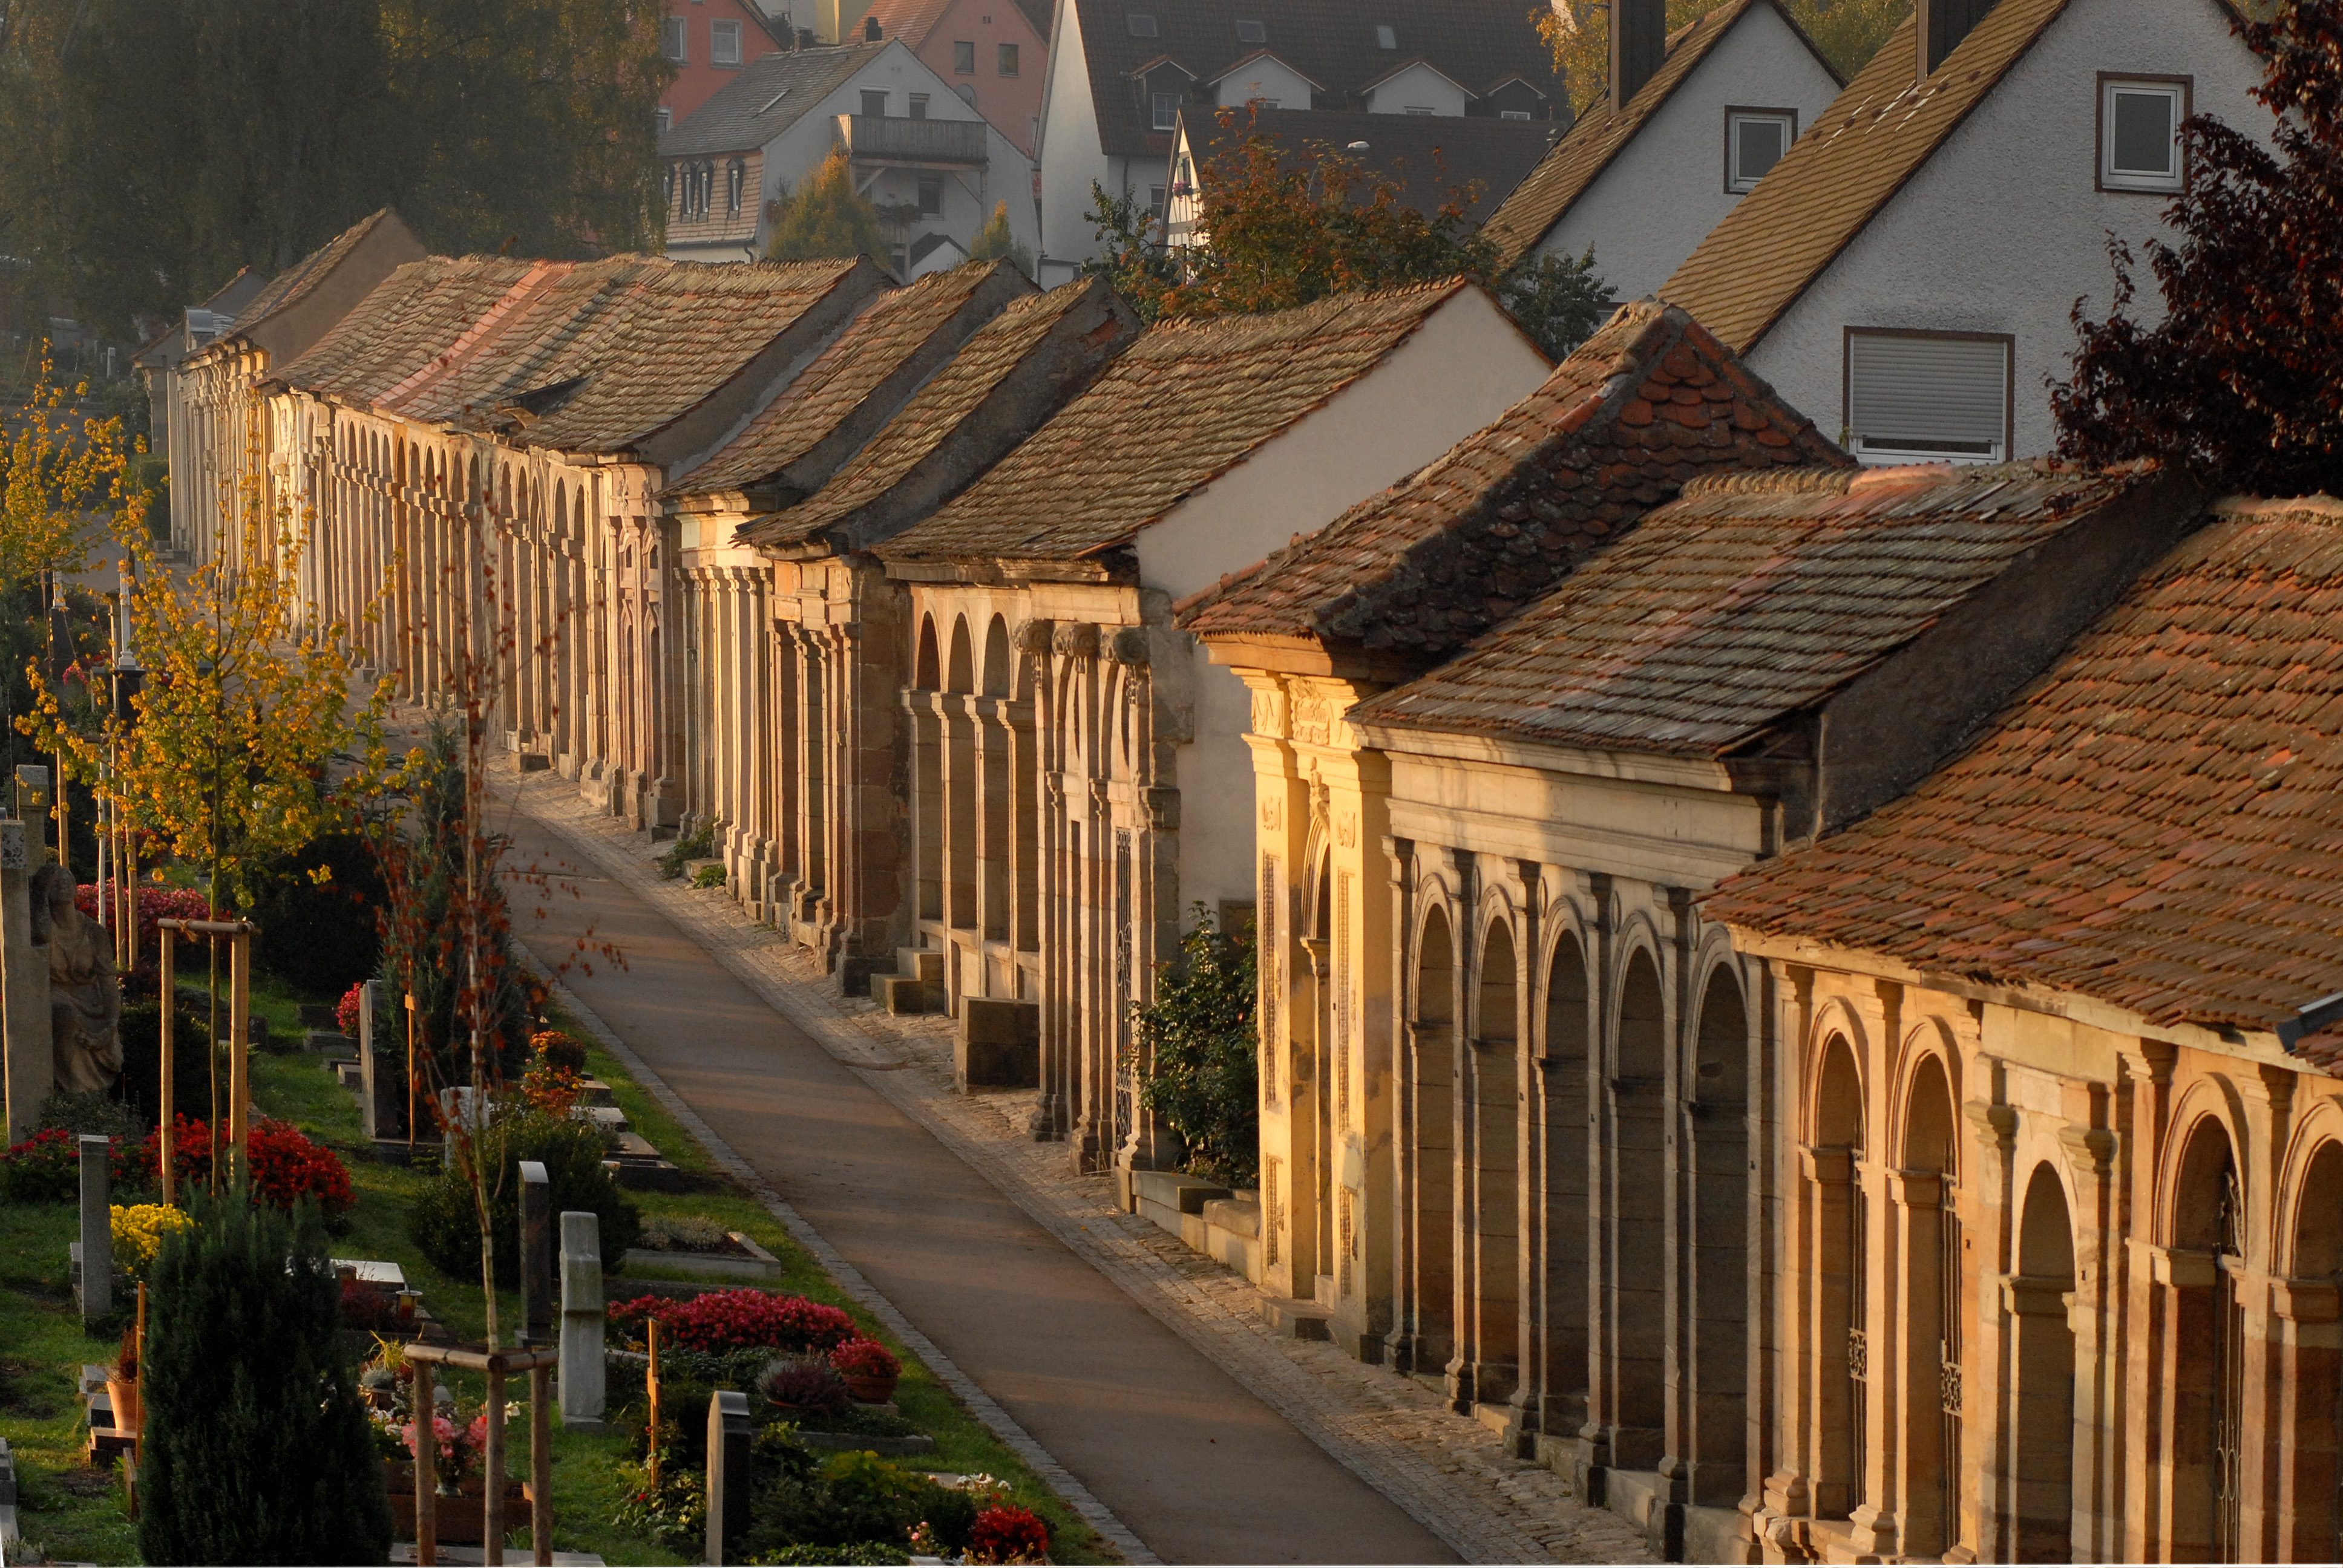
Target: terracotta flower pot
x,y
129,1409
873,1390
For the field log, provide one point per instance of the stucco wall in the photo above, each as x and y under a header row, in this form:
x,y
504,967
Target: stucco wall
x,y
1665,190
1264,78
1070,152
2003,229
1014,104
1419,86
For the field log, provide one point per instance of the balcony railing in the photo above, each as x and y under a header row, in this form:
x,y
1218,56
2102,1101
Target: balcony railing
x,y
883,138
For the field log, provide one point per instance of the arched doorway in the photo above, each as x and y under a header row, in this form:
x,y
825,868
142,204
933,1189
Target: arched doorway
x,y
1493,1293
1567,1219
1840,1283
959,799
1933,1296
1635,1326
1432,1235
2207,1354
2314,1375
2042,1402
1716,1262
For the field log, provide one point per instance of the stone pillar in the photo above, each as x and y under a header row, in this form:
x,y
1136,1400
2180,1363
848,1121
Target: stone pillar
x,y
96,1228
583,1320
2041,1415
536,1254
729,1475
2310,1375
31,1042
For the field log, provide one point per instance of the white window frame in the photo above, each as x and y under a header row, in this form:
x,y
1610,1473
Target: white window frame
x,y
925,184
1164,111
1735,117
2180,90
1887,448
674,39
867,94
717,32
1513,114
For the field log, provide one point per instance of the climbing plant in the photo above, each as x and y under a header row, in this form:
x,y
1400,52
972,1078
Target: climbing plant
x,y
1197,1053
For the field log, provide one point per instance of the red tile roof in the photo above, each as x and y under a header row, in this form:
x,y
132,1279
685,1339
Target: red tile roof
x,y
1420,570
2157,821
1749,599
1189,401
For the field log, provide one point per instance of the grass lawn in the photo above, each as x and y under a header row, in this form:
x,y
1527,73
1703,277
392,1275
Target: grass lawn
x,y
74,1512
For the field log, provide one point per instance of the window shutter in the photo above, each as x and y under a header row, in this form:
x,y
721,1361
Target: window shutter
x,y
1943,398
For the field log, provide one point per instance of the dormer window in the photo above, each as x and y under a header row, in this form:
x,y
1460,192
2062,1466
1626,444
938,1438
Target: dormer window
x,y
2140,133
1754,141
1141,24
1251,32
1386,38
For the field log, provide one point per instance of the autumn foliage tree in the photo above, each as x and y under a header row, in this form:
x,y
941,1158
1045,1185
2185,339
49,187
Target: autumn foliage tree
x,y
828,218
2239,379
1847,32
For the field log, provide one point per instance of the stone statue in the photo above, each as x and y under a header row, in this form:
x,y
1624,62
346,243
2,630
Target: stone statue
x,y
85,998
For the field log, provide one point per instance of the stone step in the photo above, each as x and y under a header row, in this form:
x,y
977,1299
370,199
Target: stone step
x,y
920,963
903,994
1302,1320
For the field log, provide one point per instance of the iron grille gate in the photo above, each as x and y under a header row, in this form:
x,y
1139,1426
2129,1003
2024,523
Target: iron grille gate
x,y
1858,1350
2229,1390
1948,1373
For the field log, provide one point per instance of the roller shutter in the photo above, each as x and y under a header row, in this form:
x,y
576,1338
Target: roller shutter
x,y
1915,398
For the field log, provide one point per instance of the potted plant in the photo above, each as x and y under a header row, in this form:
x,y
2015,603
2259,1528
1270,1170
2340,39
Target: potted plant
x,y
805,1388
869,1369
122,1386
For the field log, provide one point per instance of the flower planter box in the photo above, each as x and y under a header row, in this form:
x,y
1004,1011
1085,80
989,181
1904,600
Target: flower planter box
x,y
458,1520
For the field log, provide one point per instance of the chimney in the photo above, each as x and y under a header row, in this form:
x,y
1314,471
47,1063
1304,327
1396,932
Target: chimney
x,y
871,29
1942,25
1639,40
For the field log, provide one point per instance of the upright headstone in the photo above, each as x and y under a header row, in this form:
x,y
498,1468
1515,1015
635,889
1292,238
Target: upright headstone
x,y
536,1254
583,1320
729,1472
29,1033
369,1097
96,1227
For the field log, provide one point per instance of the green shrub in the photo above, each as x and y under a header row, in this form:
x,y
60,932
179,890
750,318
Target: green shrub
x,y
257,1448
319,936
695,845
853,1498
862,1554
191,1064
444,1224
1199,1050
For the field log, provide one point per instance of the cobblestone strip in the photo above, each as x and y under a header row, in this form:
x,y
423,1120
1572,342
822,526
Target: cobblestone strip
x,y
852,1280
1444,1469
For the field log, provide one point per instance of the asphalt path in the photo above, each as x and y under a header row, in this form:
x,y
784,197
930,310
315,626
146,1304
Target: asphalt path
x,y
1199,1469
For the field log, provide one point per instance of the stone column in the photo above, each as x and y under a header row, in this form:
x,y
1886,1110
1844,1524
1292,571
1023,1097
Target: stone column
x,y
2041,1416
2304,1312
583,1320
2099,1372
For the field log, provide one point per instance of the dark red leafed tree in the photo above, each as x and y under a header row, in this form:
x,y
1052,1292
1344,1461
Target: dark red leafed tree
x,y
2241,381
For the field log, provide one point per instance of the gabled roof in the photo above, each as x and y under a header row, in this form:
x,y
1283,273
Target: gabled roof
x,y
1335,45
903,329
913,20
580,356
1425,155
902,472
2157,821
1241,61
769,96
1750,598
1570,171
1411,63
296,282
1643,407
1782,236
1189,401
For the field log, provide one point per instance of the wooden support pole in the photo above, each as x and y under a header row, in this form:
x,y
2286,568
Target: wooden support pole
x,y
166,1107
239,1103
411,1077
492,1470
651,1389
427,1464
540,1466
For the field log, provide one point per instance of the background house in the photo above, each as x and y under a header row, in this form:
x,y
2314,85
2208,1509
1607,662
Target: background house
x,y
1121,73
708,42
932,165
1699,115
994,53
1906,275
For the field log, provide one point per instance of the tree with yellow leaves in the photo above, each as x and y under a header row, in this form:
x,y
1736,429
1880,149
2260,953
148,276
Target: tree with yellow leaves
x,y
55,470
1847,32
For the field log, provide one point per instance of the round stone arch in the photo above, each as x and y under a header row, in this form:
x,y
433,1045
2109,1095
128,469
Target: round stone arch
x,y
1932,1039
2305,1186
1833,1020
2210,1098
927,664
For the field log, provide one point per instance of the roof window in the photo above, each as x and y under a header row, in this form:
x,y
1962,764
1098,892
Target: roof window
x,y
1386,37
1142,26
1251,32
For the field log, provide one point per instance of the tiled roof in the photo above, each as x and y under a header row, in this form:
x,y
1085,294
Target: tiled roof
x,y
767,97
913,20
1748,599
1190,400
2157,821
289,285
1540,202
887,336
945,405
1420,570
579,356
1427,156
1873,137
1479,43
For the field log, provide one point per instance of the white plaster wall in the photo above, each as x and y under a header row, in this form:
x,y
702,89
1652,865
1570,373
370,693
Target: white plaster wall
x,y
1268,78
1419,86
1071,154
2003,229
1665,190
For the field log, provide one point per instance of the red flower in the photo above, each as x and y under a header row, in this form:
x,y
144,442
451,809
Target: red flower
x,y
736,1319
286,1166
1004,1533
864,1358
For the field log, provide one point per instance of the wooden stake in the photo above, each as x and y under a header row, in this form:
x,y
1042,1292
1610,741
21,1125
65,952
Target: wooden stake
x,y
163,1091
651,1386
540,1466
240,1092
410,1078
492,1472
426,1466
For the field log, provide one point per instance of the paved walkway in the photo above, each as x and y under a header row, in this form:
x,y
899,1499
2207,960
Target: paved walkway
x,y
1134,1372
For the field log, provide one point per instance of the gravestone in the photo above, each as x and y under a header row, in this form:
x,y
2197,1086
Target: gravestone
x,y
369,1091
729,1434
96,1228
536,1254
583,1320
24,1024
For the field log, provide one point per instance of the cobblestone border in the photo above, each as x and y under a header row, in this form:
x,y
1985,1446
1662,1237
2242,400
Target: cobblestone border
x,y
1444,1469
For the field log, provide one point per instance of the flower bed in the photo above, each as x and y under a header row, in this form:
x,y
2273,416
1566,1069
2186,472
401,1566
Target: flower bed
x,y
154,904
138,1232
46,1168
287,1167
736,1320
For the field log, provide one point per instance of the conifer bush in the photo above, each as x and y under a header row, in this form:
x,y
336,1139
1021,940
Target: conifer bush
x,y
258,1447
445,1223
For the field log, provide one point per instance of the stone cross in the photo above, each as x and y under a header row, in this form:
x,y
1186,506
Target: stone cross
x,y
536,1254
96,1227
25,1022
583,1320
729,1434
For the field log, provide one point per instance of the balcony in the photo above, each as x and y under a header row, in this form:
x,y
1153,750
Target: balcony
x,y
922,143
